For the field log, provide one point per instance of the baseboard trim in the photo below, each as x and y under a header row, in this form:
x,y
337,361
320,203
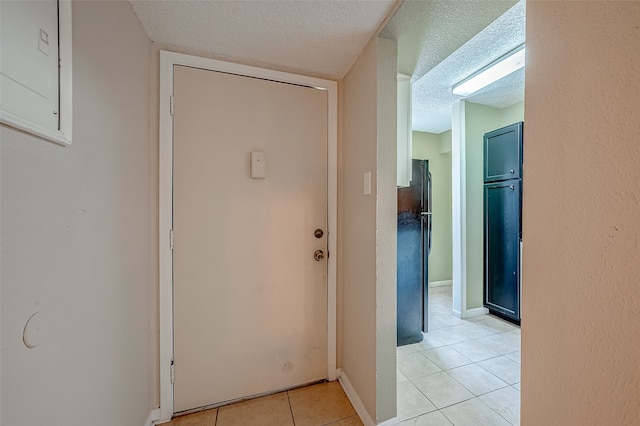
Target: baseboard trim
x,y
154,416
357,402
475,312
440,283
390,422
354,398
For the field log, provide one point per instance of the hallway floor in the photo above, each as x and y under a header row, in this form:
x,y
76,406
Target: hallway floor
x,y
316,405
465,371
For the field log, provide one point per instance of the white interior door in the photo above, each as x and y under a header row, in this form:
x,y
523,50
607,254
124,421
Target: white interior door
x,y
250,300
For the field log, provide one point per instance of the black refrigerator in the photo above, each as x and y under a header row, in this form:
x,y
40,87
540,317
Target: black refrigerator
x,y
503,221
414,246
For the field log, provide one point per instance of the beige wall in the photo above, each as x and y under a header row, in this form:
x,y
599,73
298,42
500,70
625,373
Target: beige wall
x,y
479,119
368,229
358,227
581,266
427,146
386,231
77,241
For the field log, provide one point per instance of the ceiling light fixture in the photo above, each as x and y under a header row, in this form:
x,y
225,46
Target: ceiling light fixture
x,y
493,72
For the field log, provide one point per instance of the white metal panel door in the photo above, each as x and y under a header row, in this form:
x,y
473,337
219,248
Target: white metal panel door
x,y
29,59
250,300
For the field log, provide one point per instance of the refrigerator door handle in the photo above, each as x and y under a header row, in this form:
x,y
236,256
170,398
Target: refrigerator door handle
x,y
429,235
428,216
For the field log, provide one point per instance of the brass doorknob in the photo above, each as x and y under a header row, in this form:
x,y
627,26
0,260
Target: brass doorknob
x,y
318,255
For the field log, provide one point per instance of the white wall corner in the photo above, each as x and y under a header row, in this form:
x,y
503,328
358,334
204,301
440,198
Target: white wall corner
x,y
386,232
355,400
390,422
468,313
154,417
404,133
459,207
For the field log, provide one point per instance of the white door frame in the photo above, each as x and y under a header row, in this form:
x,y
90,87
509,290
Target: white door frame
x,y
167,62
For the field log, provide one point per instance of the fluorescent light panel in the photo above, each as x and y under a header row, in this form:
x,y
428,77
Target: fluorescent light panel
x,y
493,72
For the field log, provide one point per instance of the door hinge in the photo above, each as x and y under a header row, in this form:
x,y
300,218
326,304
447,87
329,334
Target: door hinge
x,y
170,239
171,105
172,372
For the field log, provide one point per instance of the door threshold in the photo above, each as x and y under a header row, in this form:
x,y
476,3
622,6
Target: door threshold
x,y
246,398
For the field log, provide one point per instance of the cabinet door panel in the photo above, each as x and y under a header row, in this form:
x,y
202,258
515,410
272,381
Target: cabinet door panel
x,y
502,247
503,153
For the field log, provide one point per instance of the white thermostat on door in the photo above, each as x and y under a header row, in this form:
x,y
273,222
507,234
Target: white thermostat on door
x,y
258,165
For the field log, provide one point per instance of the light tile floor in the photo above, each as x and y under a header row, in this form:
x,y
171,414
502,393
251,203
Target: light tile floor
x,y
464,372
316,405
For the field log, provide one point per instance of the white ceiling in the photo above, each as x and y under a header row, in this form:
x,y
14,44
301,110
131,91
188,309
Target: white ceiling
x,y
313,37
432,97
440,42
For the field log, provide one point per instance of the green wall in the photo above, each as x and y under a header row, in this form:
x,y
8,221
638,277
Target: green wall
x,y
479,119
428,146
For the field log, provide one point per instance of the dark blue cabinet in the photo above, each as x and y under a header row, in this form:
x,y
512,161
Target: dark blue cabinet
x,y
502,248
503,154
503,221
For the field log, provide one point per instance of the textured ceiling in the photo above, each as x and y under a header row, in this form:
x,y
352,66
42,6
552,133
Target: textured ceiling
x,y
315,37
429,31
432,97
440,42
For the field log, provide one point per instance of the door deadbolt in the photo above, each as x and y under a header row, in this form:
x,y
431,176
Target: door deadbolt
x,y
318,233
318,255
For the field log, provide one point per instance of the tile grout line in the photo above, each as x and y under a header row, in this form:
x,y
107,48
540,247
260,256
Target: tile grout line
x,y
459,402
499,354
293,418
461,384
495,411
464,365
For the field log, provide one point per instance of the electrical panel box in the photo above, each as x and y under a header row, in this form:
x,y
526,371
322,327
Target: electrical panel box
x,y
35,83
